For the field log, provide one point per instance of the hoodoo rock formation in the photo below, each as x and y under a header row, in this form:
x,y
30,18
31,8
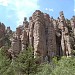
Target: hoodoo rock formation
x,y
47,36
2,34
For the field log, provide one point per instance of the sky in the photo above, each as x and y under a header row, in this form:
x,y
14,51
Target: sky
x,y
12,12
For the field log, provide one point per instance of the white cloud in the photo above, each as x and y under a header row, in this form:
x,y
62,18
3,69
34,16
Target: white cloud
x,y
74,11
49,9
22,8
46,9
21,14
4,2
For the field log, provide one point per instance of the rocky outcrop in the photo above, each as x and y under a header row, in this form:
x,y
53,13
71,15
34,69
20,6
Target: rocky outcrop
x,y
39,34
65,38
47,36
2,34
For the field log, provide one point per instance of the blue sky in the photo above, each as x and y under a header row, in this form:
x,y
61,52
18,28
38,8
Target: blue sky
x,y
12,12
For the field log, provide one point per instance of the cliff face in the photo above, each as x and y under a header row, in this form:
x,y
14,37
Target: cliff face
x,y
47,36
2,33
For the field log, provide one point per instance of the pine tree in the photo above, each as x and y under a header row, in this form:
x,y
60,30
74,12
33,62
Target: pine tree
x,y
26,63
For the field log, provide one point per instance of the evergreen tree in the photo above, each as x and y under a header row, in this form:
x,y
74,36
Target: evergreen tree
x,y
26,63
4,61
65,66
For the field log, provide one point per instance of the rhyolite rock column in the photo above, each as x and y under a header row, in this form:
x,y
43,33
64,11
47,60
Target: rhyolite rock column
x,y
50,37
65,41
24,40
31,29
39,34
2,34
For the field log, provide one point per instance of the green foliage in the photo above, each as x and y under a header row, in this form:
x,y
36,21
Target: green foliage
x,y
73,52
45,69
26,63
7,41
65,66
4,61
10,70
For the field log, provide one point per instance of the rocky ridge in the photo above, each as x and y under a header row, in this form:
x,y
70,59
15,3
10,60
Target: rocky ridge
x,y
49,37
